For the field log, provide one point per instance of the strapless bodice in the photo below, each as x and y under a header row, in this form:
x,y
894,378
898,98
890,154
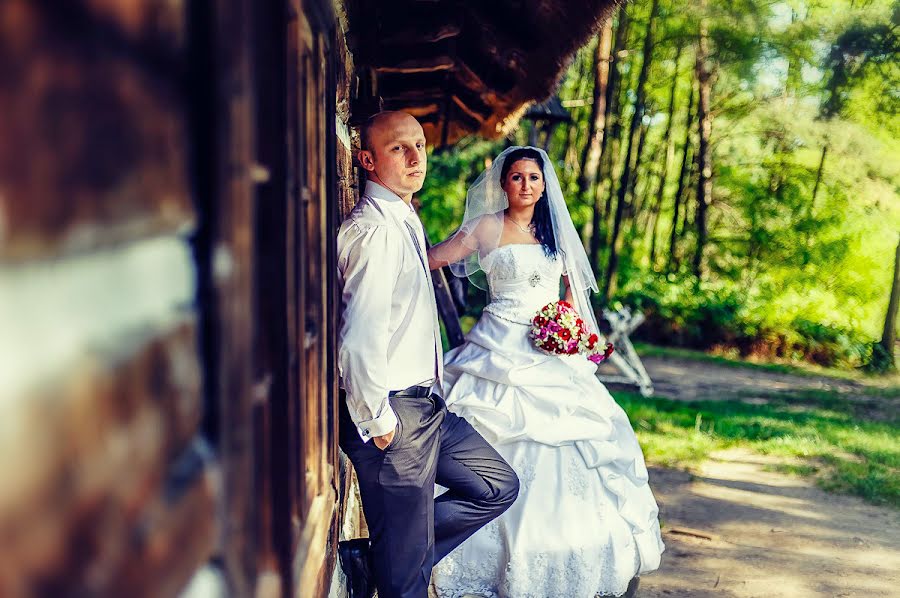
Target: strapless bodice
x,y
522,279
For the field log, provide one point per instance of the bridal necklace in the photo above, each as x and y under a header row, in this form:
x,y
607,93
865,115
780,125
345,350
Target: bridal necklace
x,y
528,231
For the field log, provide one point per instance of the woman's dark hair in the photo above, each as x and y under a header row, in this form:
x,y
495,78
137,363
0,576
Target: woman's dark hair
x,y
543,226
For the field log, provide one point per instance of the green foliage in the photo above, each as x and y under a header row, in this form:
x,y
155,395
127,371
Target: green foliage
x,y
880,361
805,203
443,199
683,312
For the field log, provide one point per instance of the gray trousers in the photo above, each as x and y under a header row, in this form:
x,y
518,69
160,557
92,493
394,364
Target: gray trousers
x,y
409,529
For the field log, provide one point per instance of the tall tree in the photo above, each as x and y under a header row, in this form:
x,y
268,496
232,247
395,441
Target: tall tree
x,y
682,179
815,192
636,202
609,149
590,156
889,333
668,148
609,283
704,167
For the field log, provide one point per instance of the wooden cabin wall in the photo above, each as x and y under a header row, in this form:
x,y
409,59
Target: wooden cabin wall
x,y
106,487
270,313
171,183
278,217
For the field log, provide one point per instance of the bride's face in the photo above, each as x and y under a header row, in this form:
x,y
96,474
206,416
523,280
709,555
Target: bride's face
x,y
524,184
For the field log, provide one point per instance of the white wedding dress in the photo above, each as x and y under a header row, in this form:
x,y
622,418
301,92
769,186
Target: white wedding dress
x,y
585,521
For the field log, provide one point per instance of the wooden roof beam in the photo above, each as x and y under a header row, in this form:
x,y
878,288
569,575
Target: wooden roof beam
x,y
464,98
466,110
417,110
418,65
438,32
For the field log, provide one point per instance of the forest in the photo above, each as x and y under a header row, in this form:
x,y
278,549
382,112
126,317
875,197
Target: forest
x,y
733,168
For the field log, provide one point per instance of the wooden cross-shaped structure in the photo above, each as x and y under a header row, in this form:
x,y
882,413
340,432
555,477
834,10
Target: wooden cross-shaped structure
x,y
623,323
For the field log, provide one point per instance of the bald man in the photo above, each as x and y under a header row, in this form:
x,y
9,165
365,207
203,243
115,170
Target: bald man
x,y
394,425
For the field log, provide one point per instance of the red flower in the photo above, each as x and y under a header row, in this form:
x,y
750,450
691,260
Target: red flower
x,y
540,321
565,334
565,303
579,322
593,338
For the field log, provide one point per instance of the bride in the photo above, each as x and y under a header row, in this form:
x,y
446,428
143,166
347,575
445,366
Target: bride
x,y
585,522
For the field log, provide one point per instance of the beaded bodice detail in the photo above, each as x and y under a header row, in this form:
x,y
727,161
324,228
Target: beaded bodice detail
x,y
522,279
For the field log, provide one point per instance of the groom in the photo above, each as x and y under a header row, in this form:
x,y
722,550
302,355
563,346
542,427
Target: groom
x,y
394,425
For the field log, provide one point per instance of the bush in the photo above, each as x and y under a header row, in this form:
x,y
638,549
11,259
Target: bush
x,y
879,361
681,312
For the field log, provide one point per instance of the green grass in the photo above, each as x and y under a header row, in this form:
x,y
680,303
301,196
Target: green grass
x,y
822,429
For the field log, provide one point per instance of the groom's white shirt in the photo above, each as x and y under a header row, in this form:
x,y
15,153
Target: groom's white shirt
x,y
387,336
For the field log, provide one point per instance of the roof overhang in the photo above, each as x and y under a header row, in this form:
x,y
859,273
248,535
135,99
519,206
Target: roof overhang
x,y
467,66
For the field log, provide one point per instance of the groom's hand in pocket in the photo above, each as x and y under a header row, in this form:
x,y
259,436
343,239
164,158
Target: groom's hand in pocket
x,y
382,442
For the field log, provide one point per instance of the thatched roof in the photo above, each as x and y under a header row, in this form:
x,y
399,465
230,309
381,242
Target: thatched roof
x,y
467,66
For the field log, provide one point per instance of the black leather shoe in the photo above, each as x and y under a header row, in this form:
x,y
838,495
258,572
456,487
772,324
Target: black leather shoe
x,y
356,562
631,592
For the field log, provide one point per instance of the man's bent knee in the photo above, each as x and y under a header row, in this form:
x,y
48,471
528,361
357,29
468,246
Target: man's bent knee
x,y
506,490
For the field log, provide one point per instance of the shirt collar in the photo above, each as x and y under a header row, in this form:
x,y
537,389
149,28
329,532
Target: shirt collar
x,y
388,199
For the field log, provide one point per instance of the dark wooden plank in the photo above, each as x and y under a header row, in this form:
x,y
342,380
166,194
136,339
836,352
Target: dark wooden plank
x,y
94,450
447,309
229,304
93,145
174,534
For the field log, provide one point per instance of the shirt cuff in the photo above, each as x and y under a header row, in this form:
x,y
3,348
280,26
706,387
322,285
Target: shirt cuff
x,y
381,425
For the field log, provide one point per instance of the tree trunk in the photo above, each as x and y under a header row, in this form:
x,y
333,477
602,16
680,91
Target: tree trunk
x,y
590,157
682,177
637,204
609,283
638,155
704,167
889,334
599,234
818,178
669,149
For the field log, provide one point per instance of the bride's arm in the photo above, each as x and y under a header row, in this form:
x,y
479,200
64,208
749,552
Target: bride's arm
x,y
461,244
454,249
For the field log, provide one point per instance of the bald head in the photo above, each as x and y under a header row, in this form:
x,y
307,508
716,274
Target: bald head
x,y
392,150
383,123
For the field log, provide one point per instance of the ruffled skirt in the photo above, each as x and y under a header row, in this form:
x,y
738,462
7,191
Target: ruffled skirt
x,y
585,521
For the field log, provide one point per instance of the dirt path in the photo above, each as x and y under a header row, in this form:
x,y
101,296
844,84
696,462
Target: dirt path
x,y
688,379
772,535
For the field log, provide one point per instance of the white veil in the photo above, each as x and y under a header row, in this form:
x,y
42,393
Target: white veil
x,y
483,223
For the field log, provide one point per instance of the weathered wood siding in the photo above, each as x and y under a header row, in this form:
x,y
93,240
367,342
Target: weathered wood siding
x,y
105,486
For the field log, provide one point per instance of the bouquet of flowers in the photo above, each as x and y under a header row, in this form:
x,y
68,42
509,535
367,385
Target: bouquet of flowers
x,y
557,329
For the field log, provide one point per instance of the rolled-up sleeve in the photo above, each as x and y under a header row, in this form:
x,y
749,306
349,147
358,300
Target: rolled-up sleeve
x,y
369,263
